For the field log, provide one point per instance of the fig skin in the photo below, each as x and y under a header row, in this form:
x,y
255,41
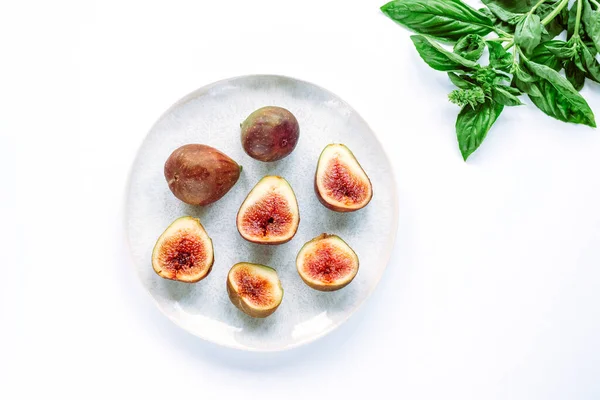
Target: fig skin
x,y
191,228
332,204
199,175
269,185
238,300
342,247
270,133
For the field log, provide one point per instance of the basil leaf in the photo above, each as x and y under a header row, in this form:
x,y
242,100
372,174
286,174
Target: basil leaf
x,y
586,63
439,58
498,23
591,21
591,65
512,90
562,50
503,14
502,95
460,81
557,97
445,19
529,33
578,62
574,75
499,58
591,47
470,47
473,124
571,20
545,54
523,74
500,77
516,6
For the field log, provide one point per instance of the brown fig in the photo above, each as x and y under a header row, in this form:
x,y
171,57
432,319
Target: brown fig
x,y
199,175
340,182
269,214
327,263
184,252
270,133
255,289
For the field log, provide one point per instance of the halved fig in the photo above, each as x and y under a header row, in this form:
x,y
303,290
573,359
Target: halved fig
x,y
327,263
340,182
184,252
270,214
255,289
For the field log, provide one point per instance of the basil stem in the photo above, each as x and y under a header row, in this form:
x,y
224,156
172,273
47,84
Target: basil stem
x,y
578,18
539,3
555,12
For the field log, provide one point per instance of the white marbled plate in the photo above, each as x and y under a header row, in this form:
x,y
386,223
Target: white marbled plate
x,y
212,115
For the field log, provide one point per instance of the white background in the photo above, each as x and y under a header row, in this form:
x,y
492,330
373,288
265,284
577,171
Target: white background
x,y
493,287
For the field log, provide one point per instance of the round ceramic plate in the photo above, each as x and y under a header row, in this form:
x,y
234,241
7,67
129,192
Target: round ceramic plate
x,y
212,115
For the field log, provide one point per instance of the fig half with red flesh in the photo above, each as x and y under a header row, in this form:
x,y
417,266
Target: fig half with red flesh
x,y
269,214
184,252
340,182
327,263
255,289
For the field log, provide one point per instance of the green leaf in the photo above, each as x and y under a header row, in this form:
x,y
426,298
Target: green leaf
x,y
473,124
502,95
523,74
571,20
557,97
504,15
498,23
445,19
499,58
574,75
545,53
515,6
512,90
488,76
439,58
591,22
562,49
460,81
591,64
470,47
529,33
586,63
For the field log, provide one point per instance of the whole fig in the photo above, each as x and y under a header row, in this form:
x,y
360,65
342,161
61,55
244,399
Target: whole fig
x,y
270,133
198,174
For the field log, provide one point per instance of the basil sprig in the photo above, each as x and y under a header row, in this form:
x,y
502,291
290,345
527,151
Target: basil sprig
x,y
524,56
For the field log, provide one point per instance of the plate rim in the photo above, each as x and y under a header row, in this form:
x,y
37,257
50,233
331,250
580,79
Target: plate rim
x,y
389,248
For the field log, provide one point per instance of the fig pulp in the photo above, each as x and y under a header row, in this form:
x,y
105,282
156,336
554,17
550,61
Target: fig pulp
x,y
199,175
269,214
327,263
270,133
184,252
255,289
340,182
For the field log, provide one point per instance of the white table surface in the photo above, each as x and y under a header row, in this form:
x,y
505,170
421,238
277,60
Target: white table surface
x,y
493,289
